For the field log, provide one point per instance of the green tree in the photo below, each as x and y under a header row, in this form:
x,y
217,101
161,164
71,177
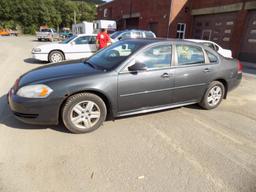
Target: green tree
x,y
30,14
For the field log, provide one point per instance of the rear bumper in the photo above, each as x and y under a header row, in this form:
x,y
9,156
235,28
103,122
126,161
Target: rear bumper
x,y
34,111
233,83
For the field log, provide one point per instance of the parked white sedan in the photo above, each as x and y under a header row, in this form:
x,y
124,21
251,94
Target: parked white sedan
x,y
75,47
224,52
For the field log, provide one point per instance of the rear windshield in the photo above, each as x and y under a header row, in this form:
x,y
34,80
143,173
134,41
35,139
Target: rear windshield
x,y
149,34
45,30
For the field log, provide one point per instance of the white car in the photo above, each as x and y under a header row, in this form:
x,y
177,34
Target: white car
x,y
75,47
224,52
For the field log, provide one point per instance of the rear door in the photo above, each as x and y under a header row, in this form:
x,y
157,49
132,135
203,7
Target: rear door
x,y
192,73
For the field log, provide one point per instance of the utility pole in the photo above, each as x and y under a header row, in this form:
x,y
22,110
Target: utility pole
x,y
74,17
169,19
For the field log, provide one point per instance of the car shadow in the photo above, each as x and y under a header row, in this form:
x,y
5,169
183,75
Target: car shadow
x,y
194,106
249,70
8,119
34,61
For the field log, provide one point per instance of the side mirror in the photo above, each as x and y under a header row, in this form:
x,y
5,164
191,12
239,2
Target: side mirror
x,y
119,38
137,67
73,43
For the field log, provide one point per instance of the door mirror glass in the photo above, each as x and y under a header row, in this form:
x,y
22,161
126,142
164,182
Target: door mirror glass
x,y
137,67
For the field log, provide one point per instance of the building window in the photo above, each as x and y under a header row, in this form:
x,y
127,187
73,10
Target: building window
x,y
181,30
105,12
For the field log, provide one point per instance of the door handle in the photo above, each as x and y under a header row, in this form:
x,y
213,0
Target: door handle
x,y
165,75
206,70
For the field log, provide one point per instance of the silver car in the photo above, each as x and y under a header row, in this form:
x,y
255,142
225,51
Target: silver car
x,y
127,34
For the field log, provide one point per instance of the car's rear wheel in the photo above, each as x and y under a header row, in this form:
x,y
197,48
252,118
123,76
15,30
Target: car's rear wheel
x,y
213,96
84,112
39,39
56,56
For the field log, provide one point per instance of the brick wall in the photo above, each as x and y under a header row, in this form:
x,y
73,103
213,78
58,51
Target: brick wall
x,y
149,11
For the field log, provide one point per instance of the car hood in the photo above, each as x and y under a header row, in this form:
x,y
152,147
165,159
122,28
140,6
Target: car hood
x,y
67,69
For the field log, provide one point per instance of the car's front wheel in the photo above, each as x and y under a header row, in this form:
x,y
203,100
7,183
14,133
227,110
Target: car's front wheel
x,y
56,56
84,112
213,96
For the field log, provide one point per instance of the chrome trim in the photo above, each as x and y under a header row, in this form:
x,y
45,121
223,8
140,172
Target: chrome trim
x,y
155,109
159,90
145,92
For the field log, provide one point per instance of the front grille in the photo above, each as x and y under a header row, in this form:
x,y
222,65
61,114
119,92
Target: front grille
x,y
30,116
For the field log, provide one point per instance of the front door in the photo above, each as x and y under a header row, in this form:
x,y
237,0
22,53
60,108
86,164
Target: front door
x,y
82,47
138,90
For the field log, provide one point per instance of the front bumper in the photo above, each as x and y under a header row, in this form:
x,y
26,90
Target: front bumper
x,y
40,56
34,111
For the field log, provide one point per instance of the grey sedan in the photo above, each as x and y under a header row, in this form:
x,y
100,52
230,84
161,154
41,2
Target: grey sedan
x,y
129,77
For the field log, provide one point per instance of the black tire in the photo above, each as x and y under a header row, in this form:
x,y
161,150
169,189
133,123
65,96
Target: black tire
x,y
53,53
219,87
68,112
39,39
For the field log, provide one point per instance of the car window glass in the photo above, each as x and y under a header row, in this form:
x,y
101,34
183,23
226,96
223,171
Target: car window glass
x,y
156,57
114,55
188,55
216,48
68,39
115,34
46,30
126,35
136,34
209,45
82,40
93,40
212,58
149,34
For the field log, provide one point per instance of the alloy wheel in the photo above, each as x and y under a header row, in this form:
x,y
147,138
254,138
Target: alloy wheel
x,y
214,96
56,57
85,114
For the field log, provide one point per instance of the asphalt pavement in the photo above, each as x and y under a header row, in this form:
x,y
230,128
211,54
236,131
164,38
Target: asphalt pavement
x,y
183,149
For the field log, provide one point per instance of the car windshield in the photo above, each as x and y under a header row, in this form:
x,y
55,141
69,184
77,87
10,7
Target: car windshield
x,y
66,41
115,34
112,56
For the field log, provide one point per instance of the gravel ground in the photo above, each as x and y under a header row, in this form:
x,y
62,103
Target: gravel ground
x,y
183,149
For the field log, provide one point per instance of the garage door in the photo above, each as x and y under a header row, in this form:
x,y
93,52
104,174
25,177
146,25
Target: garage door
x,y
248,49
217,28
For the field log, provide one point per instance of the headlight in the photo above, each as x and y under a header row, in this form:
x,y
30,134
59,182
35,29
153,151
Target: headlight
x,y
36,50
35,91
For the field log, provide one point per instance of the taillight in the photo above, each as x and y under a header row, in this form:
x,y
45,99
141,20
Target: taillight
x,y
239,67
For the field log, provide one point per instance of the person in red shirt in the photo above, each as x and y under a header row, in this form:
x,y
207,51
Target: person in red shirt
x,y
103,39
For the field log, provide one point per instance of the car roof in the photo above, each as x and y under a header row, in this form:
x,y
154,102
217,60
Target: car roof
x,y
89,34
135,30
200,41
156,40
